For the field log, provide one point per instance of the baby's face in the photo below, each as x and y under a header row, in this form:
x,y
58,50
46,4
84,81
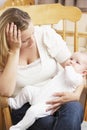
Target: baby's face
x,y
78,62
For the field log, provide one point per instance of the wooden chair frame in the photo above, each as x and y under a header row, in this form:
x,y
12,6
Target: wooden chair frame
x,y
44,15
17,3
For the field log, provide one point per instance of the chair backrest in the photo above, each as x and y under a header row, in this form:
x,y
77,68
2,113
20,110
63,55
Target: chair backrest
x,y
17,3
52,13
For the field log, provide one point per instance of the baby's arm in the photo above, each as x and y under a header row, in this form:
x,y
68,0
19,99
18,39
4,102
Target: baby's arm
x,y
23,97
72,77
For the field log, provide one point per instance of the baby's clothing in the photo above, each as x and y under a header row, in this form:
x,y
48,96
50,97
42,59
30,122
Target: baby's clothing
x,y
66,80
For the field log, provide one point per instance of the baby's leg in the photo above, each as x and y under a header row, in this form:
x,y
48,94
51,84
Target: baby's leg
x,y
23,97
26,122
33,113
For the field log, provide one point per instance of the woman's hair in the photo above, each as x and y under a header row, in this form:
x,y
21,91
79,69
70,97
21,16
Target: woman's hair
x,y
18,17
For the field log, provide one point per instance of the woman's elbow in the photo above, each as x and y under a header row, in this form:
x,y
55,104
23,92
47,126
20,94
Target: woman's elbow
x,y
6,92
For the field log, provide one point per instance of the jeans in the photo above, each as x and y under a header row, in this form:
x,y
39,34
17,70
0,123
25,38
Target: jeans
x,y
68,117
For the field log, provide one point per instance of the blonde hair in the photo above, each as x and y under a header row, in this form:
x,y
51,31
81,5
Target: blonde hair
x,y
21,19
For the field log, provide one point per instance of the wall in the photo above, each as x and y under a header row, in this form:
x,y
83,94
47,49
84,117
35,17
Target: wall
x,y
44,1
2,2
82,27
80,3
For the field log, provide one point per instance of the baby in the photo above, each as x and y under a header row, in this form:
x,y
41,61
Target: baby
x,y
68,79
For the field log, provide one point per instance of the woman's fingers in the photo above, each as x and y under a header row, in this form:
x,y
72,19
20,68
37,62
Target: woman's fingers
x,y
13,36
58,100
53,101
53,107
10,32
59,94
54,110
19,35
7,31
15,32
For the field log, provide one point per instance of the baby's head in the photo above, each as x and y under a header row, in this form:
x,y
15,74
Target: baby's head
x,y
78,61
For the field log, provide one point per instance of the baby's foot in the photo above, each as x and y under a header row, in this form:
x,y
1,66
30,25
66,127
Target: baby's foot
x,y
14,128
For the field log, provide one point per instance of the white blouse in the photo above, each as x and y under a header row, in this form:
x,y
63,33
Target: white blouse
x,y
52,50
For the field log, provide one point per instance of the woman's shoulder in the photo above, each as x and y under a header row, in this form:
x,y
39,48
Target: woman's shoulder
x,y
47,33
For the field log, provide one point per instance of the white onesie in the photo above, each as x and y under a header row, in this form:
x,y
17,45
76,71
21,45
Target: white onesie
x,y
66,80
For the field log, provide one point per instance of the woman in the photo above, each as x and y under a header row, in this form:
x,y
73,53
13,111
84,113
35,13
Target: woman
x,y
29,56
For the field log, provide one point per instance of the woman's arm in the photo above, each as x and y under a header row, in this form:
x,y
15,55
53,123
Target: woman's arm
x,y
63,97
8,75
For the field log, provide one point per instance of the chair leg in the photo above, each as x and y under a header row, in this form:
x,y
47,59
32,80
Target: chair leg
x,y
1,120
2,123
7,118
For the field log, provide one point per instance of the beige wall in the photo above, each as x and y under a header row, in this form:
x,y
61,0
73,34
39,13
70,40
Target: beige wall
x,y
82,27
80,3
2,2
44,1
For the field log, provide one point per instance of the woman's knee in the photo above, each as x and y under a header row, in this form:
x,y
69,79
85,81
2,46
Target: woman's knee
x,y
76,109
74,112
69,116
76,115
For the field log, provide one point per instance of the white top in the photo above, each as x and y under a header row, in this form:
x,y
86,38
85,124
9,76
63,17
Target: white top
x,y
52,50
66,80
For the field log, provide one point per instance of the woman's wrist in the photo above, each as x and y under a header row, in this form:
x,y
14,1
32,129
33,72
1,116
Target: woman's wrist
x,y
76,96
11,52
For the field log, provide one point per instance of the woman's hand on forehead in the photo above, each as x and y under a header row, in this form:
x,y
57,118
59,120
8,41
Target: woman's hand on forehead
x,y
13,35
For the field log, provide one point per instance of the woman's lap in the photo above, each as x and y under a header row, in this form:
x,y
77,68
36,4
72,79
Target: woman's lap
x,y
68,117
18,114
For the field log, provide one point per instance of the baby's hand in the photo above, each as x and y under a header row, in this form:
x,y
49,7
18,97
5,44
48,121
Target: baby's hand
x,y
13,35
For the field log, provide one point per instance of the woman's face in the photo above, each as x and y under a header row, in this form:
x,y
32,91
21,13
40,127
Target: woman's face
x,y
27,37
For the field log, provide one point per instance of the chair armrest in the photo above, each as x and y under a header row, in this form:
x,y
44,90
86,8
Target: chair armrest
x,y
5,116
3,101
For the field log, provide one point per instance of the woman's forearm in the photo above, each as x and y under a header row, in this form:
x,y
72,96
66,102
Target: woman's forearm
x,y
78,92
8,76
